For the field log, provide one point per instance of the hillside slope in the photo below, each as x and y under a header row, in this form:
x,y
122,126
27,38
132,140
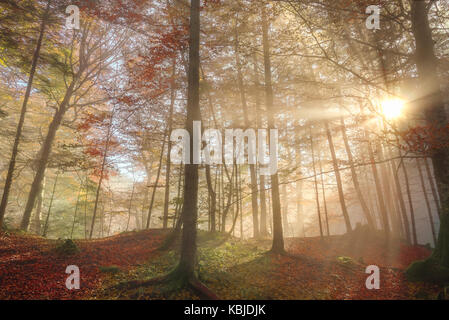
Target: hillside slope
x,y
334,268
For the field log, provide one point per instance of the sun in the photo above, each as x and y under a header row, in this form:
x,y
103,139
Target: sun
x,y
392,108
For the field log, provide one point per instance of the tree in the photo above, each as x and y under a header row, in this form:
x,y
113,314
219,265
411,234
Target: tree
x,y
278,237
15,149
90,64
435,115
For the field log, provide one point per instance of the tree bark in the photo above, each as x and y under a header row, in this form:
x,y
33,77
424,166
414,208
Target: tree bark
x,y
252,167
170,128
36,225
355,179
150,209
317,198
100,181
76,209
380,197
326,216
263,231
44,234
190,211
426,199
435,115
213,199
341,195
432,186
15,148
278,237
410,203
44,156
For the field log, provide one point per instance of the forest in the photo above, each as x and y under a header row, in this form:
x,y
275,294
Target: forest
x,y
224,149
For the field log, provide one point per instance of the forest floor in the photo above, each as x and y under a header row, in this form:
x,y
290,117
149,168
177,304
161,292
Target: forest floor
x,y
334,268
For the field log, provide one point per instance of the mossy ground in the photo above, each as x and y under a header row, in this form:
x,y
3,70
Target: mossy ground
x,y
235,269
329,268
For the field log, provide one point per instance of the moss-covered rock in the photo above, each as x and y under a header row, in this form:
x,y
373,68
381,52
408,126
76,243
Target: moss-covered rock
x,y
428,270
67,248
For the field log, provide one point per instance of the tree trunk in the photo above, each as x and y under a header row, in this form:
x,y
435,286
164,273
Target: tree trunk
x,y
44,234
178,196
426,199
130,206
44,155
213,199
252,167
435,114
263,231
380,197
76,210
190,211
36,225
278,237
149,172
317,198
355,179
15,149
401,201
150,209
410,203
170,128
432,186
324,194
341,195
388,194
100,181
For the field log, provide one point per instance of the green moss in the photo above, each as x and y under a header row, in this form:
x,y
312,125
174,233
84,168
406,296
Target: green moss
x,y
67,248
110,269
428,270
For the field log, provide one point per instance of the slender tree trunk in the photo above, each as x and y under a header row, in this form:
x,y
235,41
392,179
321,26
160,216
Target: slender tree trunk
x,y
388,193
380,197
76,209
130,206
317,198
150,209
401,201
252,167
38,211
213,199
44,234
341,195
229,201
410,203
324,194
15,149
299,194
278,237
178,196
170,128
100,181
426,199
263,232
432,186
85,208
355,179
149,171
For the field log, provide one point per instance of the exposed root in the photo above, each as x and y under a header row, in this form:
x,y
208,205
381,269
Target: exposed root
x,y
201,290
176,280
134,284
